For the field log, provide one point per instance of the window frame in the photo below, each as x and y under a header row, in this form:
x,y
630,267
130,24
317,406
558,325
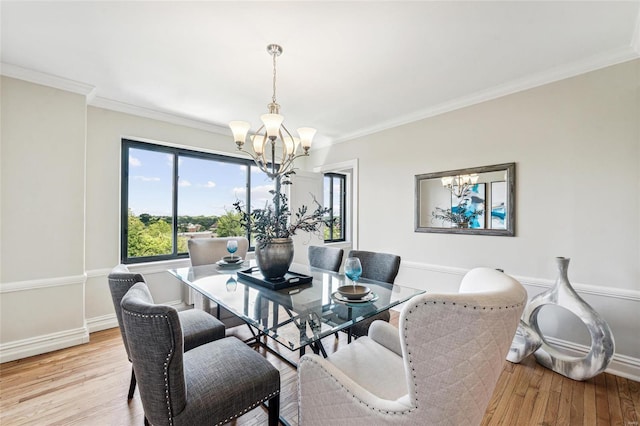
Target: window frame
x,y
176,152
343,205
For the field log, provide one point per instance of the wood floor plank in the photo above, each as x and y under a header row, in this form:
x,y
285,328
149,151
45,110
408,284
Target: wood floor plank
x,y
589,402
88,384
634,392
602,401
615,410
629,416
542,397
576,410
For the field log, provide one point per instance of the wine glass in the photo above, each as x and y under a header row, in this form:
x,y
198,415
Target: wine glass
x,y
232,247
353,269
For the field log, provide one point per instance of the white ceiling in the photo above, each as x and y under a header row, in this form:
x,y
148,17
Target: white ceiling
x,y
348,68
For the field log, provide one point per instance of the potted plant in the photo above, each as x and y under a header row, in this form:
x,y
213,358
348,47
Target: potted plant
x,y
459,216
274,225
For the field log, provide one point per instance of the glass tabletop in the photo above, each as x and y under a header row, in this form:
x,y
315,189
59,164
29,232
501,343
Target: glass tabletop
x,y
295,316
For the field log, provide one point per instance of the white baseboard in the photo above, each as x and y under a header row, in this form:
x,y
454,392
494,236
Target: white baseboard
x,y
621,365
103,322
41,344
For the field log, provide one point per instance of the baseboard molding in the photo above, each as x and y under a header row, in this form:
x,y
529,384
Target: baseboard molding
x,y
621,365
103,322
41,344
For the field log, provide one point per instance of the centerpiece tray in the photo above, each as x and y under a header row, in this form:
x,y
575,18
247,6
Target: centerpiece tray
x,y
291,279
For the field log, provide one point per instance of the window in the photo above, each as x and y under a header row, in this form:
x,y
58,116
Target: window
x,y
170,195
335,201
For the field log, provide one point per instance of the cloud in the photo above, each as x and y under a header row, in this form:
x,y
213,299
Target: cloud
x,y
147,178
134,162
210,184
184,182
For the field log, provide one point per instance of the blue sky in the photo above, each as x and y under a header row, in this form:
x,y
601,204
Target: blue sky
x,y
204,187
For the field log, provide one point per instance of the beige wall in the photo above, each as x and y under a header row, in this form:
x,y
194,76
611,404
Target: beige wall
x,y
576,144
42,212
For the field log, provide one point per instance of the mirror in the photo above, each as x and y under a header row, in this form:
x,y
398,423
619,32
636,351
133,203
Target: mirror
x,y
477,200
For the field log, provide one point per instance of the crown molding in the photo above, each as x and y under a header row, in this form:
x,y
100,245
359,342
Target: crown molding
x,y
44,79
593,63
110,104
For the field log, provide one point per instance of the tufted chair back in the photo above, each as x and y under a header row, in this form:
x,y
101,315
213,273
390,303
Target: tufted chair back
x,y
454,345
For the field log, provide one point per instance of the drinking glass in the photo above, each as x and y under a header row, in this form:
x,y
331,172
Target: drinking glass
x,y
232,247
353,269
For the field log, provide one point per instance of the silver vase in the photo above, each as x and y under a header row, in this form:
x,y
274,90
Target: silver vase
x,y
275,258
602,343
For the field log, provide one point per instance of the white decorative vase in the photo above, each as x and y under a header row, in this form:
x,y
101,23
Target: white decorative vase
x,y
602,343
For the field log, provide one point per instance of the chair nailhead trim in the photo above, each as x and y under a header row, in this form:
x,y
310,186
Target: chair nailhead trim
x,y
254,405
166,363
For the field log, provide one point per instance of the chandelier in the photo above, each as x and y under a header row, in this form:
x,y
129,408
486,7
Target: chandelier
x,y
460,184
274,147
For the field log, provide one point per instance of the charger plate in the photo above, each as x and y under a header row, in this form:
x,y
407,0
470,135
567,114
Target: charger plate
x,y
371,297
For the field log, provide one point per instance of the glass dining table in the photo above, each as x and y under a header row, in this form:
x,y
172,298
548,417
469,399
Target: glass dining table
x,y
296,317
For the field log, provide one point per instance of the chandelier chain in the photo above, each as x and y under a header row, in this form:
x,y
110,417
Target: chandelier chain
x,y
274,78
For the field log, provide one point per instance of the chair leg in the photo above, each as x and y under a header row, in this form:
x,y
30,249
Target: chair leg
x,y
274,410
132,386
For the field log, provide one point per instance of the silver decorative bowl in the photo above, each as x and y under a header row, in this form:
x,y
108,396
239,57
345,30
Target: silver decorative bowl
x,y
354,291
232,259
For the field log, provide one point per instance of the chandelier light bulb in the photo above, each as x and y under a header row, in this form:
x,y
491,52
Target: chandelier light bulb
x,y
258,143
306,136
240,130
289,145
272,123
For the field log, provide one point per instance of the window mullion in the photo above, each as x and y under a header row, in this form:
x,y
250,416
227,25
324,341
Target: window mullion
x,y
176,161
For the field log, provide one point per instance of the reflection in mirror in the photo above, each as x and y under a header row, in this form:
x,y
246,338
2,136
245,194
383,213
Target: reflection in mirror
x,y
478,200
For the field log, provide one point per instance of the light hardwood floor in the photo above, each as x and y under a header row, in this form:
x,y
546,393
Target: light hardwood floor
x,y
87,385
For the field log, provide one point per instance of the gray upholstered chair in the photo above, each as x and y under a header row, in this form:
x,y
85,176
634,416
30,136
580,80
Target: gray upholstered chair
x,y
208,385
328,258
380,267
199,327
207,251
440,366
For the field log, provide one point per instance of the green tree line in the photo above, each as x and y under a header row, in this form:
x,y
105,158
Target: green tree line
x,y
150,235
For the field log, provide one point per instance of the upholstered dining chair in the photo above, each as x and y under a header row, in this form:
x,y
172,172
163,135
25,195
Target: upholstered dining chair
x,y
208,385
327,258
199,326
440,366
207,251
380,267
